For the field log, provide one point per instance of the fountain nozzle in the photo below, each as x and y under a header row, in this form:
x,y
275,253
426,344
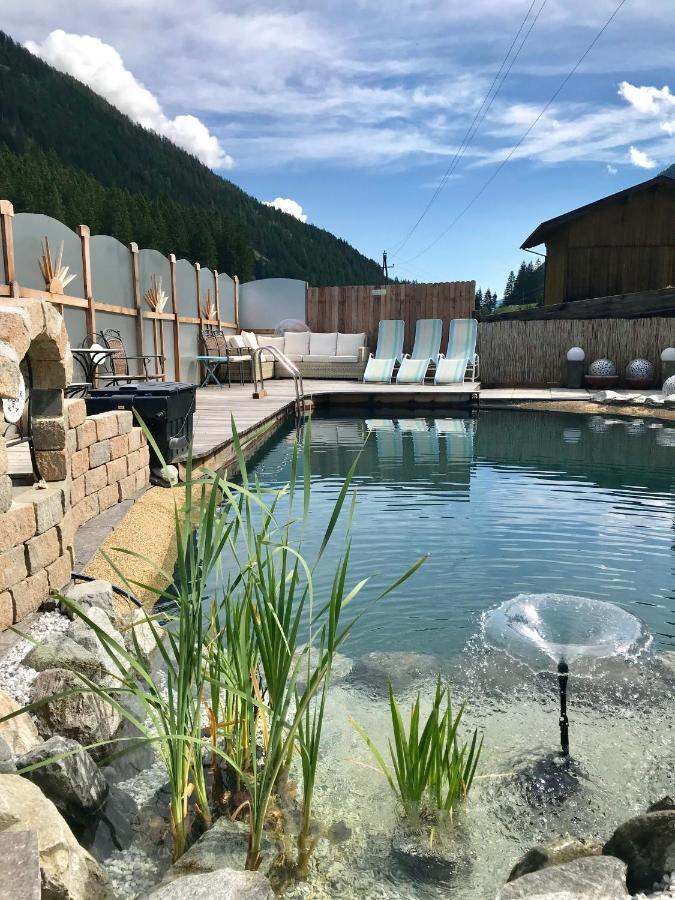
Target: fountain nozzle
x,y
563,674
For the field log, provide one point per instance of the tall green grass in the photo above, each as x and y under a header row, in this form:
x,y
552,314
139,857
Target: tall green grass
x,y
432,770
241,691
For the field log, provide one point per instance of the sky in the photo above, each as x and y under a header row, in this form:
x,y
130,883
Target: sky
x,y
364,117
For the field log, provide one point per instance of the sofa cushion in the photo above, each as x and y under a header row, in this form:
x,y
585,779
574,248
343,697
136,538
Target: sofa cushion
x,y
250,340
295,357
296,343
322,344
344,359
318,358
348,344
270,340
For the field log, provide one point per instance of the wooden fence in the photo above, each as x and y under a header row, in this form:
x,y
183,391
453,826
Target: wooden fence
x,y
358,308
534,353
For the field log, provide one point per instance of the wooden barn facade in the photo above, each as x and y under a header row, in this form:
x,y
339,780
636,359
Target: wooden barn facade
x,y
624,243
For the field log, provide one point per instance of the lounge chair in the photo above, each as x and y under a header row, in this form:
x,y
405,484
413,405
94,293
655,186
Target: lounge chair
x,y
461,358
413,368
380,367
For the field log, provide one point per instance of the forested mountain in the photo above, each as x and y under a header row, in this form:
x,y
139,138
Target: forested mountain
x,y
527,286
67,152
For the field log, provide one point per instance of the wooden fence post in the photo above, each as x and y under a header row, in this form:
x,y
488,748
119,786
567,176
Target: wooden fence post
x,y
176,324
200,315
136,288
7,238
236,302
84,234
216,294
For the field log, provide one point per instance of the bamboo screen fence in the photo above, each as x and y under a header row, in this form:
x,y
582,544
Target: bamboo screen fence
x,y
356,308
534,353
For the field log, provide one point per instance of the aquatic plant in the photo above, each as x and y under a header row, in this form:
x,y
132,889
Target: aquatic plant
x,y
432,771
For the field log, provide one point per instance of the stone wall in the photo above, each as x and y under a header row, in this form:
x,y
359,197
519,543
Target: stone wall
x,y
93,463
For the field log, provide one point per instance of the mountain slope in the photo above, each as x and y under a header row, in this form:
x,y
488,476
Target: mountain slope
x,y
67,150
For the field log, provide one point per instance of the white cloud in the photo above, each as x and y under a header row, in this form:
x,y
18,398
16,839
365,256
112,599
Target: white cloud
x,y
285,204
101,67
641,159
646,99
612,169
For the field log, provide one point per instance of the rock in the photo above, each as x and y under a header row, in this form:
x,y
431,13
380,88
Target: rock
x,y
551,779
373,670
80,632
139,627
7,764
661,805
81,715
19,731
165,475
114,827
591,878
225,884
93,593
20,865
223,846
554,853
438,860
646,844
60,651
67,871
73,783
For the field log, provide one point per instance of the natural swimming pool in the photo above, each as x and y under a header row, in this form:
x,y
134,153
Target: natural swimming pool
x,y
505,503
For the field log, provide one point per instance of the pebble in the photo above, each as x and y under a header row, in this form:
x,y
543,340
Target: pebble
x,y
16,679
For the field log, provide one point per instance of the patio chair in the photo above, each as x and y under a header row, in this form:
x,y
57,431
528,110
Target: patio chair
x,y
213,357
413,368
461,358
380,367
150,364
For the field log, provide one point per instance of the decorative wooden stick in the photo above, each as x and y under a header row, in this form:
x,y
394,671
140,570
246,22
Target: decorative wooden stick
x,y
155,297
55,275
209,309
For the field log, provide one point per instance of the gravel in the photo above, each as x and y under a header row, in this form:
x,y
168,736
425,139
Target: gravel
x,y
16,679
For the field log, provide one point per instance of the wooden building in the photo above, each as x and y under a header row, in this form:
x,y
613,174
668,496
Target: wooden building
x,y
624,243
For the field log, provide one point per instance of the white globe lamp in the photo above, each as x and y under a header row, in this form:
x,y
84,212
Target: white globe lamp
x,y
575,367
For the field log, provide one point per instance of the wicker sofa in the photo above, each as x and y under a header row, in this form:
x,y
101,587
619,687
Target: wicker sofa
x,y
317,355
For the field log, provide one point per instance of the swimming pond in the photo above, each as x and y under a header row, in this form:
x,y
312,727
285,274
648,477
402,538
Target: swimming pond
x,y
505,503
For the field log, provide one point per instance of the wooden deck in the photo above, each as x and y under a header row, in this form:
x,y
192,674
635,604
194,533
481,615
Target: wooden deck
x,y
255,419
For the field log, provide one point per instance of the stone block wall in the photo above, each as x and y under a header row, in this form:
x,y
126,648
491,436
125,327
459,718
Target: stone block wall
x,y
94,462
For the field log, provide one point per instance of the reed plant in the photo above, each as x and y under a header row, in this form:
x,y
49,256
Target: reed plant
x,y
432,770
245,664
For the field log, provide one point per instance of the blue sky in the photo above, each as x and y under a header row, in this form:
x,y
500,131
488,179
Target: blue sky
x,y
349,113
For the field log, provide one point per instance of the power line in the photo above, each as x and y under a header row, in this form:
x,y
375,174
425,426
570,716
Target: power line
x,y
478,118
524,136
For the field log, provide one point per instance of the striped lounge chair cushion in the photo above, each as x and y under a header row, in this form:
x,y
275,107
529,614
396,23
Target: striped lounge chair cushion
x,y
378,371
450,371
412,371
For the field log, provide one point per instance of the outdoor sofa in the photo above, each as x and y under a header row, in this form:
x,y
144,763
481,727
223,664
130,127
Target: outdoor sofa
x,y
316,354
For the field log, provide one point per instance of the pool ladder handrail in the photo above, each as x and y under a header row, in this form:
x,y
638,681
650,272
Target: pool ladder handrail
x,y
290,367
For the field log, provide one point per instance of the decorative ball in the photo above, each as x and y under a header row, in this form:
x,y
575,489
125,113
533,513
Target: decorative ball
x,y
668,355
576,354
640,370
290,325
602,367
669,386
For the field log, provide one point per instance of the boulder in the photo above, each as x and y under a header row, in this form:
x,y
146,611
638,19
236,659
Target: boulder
x,y
646,844
7,764
19,731
114,827
139,628
590,878
81,715
73,783
93,593
373,671
59,651
67,871
440,859
84,635
661,805
554,853
225,884
223,846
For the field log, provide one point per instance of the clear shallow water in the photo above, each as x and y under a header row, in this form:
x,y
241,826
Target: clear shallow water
x,y
511,502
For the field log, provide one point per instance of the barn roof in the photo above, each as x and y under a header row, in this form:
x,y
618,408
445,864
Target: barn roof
x,y
543,231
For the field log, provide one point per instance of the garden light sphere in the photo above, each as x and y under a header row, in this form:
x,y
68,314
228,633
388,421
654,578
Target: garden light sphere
x,y
603,368
668,355
576,354
669,386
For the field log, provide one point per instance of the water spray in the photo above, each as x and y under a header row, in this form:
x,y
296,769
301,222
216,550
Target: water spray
x,y
563,675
